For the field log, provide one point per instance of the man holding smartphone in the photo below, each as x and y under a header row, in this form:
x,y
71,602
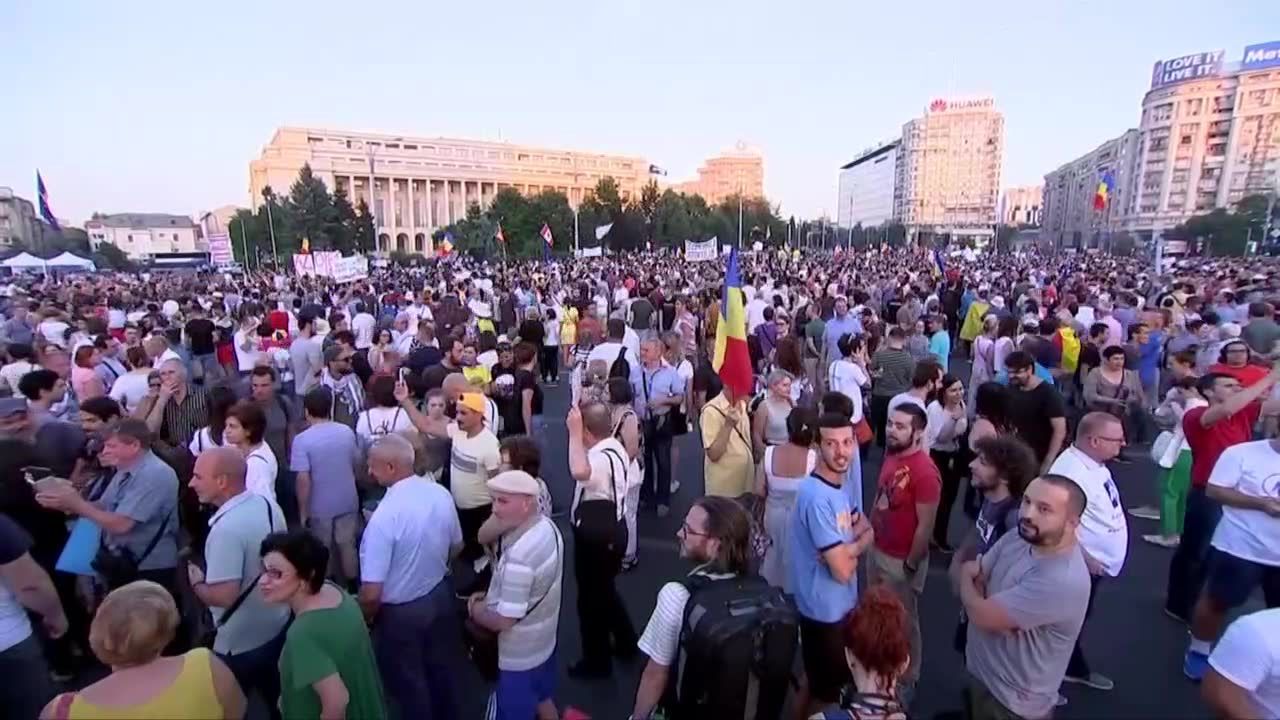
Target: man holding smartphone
x,y
828,536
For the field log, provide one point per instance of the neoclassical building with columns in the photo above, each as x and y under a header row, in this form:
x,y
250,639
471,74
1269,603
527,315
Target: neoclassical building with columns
x,y
414,185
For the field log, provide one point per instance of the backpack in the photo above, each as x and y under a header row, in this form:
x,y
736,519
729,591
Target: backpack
x,y
738,643
1070,349
621,367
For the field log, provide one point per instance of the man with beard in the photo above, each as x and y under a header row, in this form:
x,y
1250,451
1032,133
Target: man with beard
x,y
903,515
828,535
1025,600
343,382
1035,409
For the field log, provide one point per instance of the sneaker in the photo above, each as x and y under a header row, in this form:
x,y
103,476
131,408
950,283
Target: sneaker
x,y
1061,701
675,486
663,510
1097,681
1195,665
1162,541
629,564
1146,512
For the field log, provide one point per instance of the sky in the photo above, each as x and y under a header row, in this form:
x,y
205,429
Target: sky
x,y
140,106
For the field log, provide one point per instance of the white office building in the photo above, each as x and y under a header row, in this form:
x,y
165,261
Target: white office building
x,y
867,186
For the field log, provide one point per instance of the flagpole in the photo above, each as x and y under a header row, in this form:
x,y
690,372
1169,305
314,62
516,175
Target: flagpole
x,y
575,232
244,241
739,217
271,225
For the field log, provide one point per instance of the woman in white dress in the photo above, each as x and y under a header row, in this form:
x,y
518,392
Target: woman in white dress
x,y
246,426
778,477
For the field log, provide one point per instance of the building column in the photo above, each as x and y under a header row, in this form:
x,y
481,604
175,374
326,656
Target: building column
x,y
448,203
413,218
431,213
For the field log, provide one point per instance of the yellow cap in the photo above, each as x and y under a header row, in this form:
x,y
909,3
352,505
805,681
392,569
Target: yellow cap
x,y
473,402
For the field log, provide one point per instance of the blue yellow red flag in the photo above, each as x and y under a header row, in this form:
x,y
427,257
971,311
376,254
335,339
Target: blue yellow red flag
x,y
732,360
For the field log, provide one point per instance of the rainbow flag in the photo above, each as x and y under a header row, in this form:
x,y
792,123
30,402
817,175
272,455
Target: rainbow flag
x,y
1103,195
731,359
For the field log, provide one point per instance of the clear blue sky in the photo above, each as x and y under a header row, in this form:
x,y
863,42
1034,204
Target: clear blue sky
x,y
160,106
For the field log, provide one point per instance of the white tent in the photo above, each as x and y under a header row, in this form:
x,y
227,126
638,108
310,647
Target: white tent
x,y
24,261
67,260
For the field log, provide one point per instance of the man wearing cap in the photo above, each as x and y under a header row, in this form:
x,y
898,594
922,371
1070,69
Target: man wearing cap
x,y
405,591
522,604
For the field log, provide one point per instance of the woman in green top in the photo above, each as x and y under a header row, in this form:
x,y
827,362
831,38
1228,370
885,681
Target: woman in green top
x,y
327,667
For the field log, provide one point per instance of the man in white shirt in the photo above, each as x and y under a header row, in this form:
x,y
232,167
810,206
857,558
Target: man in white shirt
x,y
755,313
405,590
598,465
609,350
362,326
250,632
1104,530
1244,670
1245,550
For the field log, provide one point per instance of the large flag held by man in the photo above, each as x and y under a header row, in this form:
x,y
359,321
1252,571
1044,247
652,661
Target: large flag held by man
x,y
546,234
732,360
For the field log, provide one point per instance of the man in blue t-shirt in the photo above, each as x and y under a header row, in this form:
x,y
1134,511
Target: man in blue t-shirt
x,y
828,535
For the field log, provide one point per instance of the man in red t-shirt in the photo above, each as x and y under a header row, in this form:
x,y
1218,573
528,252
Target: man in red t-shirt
x,y
903,516
1234,361
1228,420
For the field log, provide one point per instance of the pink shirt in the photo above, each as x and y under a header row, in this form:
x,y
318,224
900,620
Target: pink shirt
x,y
85,382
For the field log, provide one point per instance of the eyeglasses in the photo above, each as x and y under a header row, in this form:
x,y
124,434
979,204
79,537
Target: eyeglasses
x,y
686,530
1109,439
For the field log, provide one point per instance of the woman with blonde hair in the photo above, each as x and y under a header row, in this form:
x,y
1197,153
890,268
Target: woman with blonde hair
x,y
130,631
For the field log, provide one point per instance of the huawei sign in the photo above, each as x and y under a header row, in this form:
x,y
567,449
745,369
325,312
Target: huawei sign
x,y
938,105
941,105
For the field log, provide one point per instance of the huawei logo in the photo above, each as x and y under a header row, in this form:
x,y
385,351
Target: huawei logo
x,y
938,105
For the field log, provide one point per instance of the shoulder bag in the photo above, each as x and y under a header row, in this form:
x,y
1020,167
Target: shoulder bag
x,y
211,633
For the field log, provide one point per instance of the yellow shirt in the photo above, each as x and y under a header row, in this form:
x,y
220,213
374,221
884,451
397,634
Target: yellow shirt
x,y
477,374
190,697
735,472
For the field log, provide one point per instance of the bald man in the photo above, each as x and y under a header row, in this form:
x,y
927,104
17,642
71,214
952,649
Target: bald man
x,y
249,632
405,590
1104,530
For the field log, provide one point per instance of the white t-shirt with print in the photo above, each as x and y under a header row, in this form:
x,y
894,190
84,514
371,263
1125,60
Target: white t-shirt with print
x,y
379,421
472,461
1251,468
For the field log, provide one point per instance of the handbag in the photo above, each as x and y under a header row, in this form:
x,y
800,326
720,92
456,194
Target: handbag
x,y
211,633
862,431
119,568
1160,448
482,643
599,521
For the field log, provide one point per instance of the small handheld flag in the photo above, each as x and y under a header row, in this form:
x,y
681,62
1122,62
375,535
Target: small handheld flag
x,y
446,245
497,235
546,234
602,230
937,261
42,196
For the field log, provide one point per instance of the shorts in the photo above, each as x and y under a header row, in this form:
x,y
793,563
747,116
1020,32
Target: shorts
x,y
1231,579
341,536
822,650
519,692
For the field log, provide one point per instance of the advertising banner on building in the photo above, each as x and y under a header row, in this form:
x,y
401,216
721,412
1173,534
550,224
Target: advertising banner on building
x,y
1198,66
1260,56
700,251
220,253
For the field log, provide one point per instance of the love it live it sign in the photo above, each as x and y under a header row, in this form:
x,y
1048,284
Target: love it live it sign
x,y
1186,68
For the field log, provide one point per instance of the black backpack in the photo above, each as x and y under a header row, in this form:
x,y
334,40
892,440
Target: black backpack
x,y
738,643
621,367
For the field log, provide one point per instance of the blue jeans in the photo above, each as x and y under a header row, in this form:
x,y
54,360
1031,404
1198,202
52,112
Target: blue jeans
x,y
206,367
26,687
417,645
257,668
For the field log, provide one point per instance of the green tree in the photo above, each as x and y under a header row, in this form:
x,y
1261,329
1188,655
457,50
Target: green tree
x,y
311,209
647,206
363,234
110,256
277,218
248,228
552,207
343,233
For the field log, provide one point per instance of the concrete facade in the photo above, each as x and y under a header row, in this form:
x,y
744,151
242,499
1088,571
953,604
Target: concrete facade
x,y
1022,205
142,236
1205,142
948,168
19,222
415,185
866,187
1069,217
738,170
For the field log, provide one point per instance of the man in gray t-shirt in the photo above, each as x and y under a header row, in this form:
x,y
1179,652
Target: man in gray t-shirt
x,y
1026,600
305,355
325,456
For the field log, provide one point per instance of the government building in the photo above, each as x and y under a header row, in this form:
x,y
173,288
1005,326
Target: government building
x,y
415,185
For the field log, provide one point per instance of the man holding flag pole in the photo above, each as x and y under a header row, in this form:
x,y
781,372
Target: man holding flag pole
x,y
729,466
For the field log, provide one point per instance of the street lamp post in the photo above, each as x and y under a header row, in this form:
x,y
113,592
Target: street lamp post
x,y
271,226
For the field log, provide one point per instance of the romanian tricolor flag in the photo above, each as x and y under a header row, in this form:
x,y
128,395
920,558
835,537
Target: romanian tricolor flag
x,y
1103,195
731,359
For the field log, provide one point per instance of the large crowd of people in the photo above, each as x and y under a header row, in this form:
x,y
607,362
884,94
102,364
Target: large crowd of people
x,y
339,498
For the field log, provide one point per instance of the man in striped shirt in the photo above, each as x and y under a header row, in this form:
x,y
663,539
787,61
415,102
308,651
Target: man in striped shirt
x,y
523,602
180,410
